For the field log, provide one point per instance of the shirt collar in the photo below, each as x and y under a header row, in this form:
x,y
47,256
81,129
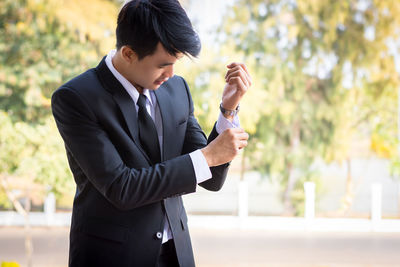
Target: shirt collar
x,y
132,91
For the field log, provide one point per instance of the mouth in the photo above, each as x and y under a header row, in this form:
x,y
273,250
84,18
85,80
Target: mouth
x,y
159,82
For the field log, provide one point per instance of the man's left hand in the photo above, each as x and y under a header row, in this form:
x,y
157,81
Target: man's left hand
x,y
238,81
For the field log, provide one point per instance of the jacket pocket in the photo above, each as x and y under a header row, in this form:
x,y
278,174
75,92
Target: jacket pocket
x,y
181,122
106,230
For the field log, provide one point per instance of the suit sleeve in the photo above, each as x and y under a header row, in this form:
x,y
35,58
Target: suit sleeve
x,y
196,139
126,188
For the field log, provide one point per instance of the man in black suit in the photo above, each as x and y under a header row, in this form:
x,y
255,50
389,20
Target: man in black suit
x,y
134,146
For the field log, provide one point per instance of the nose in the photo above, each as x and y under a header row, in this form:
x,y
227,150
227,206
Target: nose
x,y
169,71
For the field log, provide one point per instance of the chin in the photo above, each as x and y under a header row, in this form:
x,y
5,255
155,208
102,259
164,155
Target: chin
x,y
155,86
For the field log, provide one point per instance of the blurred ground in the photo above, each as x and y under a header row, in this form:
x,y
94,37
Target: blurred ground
x,y
234,248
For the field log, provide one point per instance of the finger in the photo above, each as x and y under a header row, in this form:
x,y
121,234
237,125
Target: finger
x,y
242,76
234,131
242,136
237,70
233,69
235,76
248,76
245,69
241,87
241,144
233,64
242,65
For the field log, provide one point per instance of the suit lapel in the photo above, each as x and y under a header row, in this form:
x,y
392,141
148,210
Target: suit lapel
x,y
166,110
123,99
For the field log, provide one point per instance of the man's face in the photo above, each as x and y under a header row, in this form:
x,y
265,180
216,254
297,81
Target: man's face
x,y
153,70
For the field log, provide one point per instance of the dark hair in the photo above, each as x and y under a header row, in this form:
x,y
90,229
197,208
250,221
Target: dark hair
x,y
143,23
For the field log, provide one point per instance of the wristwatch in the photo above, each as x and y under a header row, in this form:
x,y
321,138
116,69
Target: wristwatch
x,y
229,112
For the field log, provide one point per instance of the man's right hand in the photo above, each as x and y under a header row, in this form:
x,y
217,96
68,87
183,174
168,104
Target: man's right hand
x,y
225,147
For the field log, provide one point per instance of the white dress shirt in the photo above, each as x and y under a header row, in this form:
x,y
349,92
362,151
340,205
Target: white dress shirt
x,y
201,168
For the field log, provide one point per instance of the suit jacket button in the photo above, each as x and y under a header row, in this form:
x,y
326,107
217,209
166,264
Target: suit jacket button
x,y
158,235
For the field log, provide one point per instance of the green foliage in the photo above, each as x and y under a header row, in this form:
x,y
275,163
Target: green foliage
x,y
46,162
43,43
33,155
37,54
329,75
205,77
12,145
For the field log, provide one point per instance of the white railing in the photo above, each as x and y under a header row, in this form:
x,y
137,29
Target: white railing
x,y
309,222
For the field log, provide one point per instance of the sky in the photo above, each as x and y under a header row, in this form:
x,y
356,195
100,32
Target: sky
x,y
206,15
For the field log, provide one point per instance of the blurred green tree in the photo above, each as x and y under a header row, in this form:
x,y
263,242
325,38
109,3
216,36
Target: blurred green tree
x,y
43,43
328,71
39,51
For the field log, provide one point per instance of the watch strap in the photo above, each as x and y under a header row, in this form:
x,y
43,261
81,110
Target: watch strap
x,y
229,112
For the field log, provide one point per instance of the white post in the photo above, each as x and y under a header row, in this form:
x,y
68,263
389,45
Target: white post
x,y
398,197
376,202
50,207
243,199
398,119
395,55
309,191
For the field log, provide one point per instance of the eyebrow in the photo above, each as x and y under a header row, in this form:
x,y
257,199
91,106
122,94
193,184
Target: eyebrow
x,y
166,64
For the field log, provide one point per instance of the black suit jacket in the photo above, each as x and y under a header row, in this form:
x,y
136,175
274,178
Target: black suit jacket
x,y
121,200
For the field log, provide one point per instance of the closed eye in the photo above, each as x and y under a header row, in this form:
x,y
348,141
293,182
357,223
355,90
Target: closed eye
x,y
165,65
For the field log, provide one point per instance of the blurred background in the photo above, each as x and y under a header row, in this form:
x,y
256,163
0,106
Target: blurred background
x,y
318,184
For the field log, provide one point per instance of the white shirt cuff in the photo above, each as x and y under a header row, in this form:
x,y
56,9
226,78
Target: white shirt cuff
x,y
201,168
223,123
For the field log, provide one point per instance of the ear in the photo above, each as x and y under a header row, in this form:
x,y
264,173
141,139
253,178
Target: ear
x,y
128,54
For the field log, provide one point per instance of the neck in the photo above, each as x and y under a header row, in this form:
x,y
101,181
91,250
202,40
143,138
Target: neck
x,y
122,68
